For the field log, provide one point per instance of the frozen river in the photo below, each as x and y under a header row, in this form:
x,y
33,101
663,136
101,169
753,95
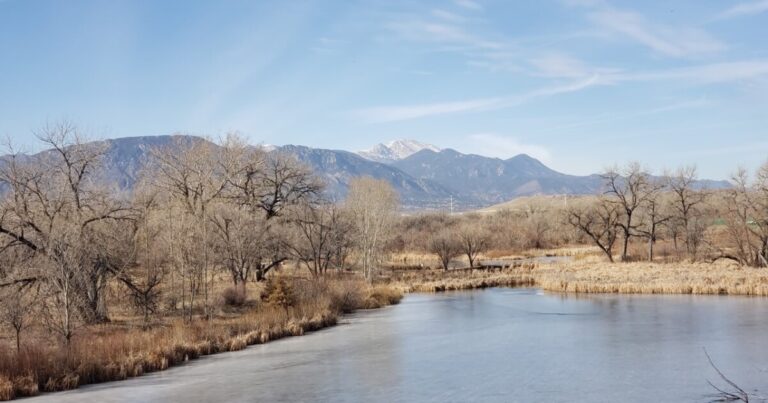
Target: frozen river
x,y
493,345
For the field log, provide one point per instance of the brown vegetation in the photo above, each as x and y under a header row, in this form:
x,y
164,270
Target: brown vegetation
x,y
99,285
108,353
652,278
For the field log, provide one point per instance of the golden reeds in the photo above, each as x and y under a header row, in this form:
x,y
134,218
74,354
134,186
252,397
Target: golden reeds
x,y
653,278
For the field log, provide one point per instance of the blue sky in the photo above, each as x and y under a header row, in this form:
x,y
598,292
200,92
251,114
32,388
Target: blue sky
x,y
580,84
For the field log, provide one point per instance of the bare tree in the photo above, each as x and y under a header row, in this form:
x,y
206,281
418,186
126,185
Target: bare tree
x,y
320,231
655,214
237,240
265,185
55,209
16,309
372,204
746,214
194,175
143,259
599,221
629,189
537,223
687,206
474,239
446,246
272,182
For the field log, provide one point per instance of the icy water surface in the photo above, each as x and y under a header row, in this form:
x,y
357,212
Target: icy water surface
x,y
500,345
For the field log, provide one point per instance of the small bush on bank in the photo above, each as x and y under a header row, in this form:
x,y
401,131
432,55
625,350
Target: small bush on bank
x,y
279,293
234,296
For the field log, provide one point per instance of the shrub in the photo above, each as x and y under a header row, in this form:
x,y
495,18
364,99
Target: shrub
x,y
234,296
279,293
346,296
382,296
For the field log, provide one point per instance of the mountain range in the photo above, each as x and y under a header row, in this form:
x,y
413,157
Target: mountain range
x,y
425,176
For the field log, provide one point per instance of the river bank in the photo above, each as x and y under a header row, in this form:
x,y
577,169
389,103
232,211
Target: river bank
x,y
108,353
111,352
493,345
591,275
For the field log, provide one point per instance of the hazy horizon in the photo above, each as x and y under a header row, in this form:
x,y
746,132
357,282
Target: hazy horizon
x,y
577,84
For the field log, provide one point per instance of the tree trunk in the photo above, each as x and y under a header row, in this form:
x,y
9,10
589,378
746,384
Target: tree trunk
x,y
650,249
626,246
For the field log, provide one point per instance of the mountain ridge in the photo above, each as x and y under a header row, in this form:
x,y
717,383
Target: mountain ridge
x,y
430,178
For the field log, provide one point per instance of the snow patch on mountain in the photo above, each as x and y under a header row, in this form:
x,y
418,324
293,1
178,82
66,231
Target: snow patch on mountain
x,y
396,150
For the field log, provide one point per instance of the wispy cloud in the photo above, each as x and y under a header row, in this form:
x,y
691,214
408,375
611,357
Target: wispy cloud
x,y
407,112
470,4
703,74
613,117
447,16
664,39
560,65
443,33
744,9
504,146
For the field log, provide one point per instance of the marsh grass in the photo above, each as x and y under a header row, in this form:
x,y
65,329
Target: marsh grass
x,y
590,273
109,353
453,280
722,278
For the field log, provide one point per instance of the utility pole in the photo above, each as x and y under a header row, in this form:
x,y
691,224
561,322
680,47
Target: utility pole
x,y
451,204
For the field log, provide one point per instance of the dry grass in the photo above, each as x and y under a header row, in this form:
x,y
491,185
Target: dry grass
x,y
109,353
652,278
440,280
590,273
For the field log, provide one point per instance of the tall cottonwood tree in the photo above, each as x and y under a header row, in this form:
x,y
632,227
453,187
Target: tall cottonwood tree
x,y
194,176
266,186
599,221
372,205
629,189
746,214
654,214
55,209
474,240
687,209
446,246
321,233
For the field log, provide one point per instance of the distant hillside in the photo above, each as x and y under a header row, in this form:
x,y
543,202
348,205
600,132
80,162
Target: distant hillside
x,y
493,180
539,202
338,167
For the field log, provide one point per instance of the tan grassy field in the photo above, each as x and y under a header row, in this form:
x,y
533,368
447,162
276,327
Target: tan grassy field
x,y
541,201
589,276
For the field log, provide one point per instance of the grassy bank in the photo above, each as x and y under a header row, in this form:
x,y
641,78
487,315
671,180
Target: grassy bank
x,y
108,353
453,280
593,275
722,278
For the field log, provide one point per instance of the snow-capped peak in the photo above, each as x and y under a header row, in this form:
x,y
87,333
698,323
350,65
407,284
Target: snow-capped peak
x,y
396,150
